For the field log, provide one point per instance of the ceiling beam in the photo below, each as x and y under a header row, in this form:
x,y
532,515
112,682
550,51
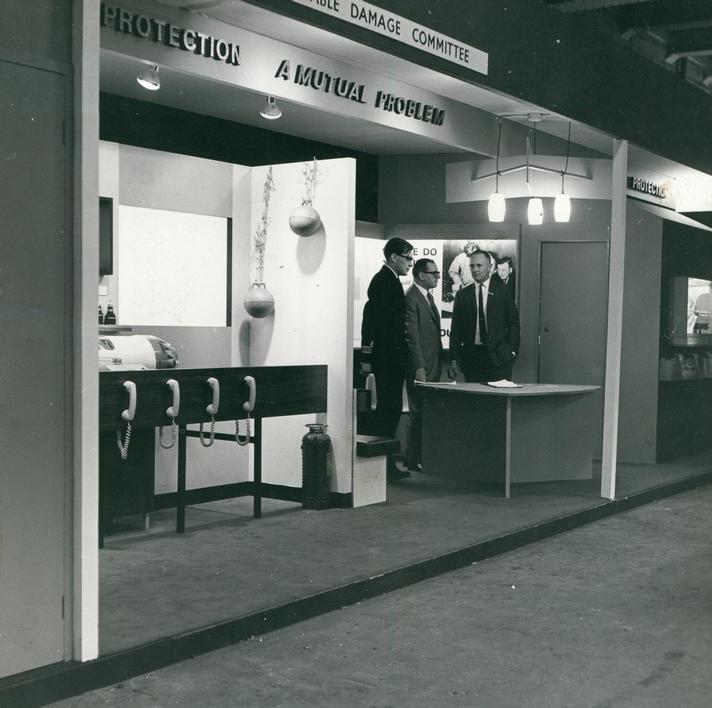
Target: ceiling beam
x,y
660,16
690,43
578,5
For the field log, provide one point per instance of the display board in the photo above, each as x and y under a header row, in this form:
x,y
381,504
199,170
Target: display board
x,y
173,268
450,257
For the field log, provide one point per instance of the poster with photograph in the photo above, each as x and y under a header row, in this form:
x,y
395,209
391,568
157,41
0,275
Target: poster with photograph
x,y
452,260
456,266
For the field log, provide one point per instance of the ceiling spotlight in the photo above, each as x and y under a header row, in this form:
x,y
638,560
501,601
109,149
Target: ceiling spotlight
x,y
149,79
271,110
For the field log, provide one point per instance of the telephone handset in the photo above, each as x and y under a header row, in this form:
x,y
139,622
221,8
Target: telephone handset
x,y
130,412
371,386
212,410
172,413
174,408
248,406
127,415
214,384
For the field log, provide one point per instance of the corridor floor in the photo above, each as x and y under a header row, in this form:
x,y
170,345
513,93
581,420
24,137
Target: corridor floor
x,y
158,583
614,614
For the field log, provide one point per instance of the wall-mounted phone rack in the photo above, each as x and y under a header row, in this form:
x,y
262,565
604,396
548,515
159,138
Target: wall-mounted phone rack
x,y
190,396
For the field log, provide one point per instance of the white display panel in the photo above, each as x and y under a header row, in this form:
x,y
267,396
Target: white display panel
x,y
172,268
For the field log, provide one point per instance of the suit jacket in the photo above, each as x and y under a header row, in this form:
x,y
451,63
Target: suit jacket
x,y
502,324
511,283
422,327
383,325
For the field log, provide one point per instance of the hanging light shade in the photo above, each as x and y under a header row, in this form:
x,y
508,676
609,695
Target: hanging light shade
x,y
562,203
535,212
496,207
562,208
497,204
149,79
271,110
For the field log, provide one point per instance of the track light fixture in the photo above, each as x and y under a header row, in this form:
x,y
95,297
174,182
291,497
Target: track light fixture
x,y
271,110
149,79
496,206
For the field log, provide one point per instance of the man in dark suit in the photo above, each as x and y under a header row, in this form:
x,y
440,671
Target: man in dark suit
x,y
484,334
422,326
383,339
505,274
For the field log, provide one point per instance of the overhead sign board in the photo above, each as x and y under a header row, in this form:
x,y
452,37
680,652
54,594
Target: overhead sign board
x,y
193,45
402,30
649,187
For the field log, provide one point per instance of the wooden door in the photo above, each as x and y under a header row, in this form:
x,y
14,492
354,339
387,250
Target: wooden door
x,y
573,310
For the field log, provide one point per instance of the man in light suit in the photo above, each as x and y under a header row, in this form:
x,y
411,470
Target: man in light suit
x,y
383,341
484,334
422,321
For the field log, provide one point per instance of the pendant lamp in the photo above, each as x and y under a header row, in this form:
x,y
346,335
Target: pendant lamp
x,y
562,202
535,208
562,208
497,204
535,212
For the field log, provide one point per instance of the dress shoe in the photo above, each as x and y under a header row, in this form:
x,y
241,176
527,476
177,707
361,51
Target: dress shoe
x,y
393,472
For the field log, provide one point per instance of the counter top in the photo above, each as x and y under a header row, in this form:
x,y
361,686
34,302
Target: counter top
x,y
526,389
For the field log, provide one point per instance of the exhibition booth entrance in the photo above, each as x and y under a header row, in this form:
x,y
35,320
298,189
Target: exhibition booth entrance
x,y
235,488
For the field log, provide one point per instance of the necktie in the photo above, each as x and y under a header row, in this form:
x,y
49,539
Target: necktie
x,y
432,305
481,316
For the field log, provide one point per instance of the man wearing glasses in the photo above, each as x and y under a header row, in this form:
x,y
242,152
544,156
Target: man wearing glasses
x,y
424,347
383,336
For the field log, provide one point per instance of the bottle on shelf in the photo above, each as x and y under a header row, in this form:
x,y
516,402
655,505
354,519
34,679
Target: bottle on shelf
x,y
110,317
101,315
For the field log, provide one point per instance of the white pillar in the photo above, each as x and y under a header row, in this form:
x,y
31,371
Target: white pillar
x,y
85,509
616,268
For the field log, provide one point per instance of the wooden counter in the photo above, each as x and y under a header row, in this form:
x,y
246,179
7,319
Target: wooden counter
x,y
536,433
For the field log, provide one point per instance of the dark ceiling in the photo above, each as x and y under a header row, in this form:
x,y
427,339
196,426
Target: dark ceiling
x,y
676,34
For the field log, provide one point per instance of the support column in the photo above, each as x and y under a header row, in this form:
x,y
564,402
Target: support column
x,y
616,267
84,592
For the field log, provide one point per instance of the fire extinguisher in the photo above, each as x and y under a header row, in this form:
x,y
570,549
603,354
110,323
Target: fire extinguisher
x,y
316,468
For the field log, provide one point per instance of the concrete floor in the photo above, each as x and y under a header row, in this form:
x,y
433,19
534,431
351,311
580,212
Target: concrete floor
x,y
228,564
615,614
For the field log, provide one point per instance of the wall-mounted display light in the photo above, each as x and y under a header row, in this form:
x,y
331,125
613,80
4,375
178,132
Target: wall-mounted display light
x,y
271,110
149,79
